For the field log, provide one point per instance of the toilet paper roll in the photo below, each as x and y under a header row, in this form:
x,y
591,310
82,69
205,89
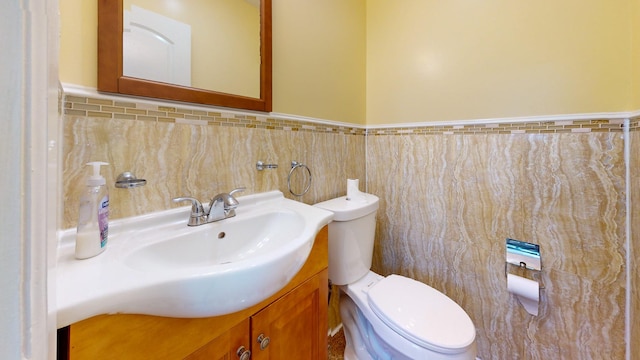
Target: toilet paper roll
x,y
353,189
527,291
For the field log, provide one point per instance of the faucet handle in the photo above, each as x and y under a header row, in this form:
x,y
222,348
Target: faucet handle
x,y
240,189
231,200
196,207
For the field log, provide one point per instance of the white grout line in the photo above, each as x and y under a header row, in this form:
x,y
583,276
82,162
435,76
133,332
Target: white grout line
x,y
627,160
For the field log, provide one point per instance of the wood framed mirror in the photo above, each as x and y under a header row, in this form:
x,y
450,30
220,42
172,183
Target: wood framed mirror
x,y
112,79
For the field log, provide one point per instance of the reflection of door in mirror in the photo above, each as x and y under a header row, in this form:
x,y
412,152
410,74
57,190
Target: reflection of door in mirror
x,y
158,48
225,42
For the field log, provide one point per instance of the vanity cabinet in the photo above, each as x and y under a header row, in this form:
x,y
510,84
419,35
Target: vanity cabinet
x,y
292,324
230,345
293,327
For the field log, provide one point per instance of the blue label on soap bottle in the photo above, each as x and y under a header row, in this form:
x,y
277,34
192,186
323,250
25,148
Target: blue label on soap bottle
x,y
103,220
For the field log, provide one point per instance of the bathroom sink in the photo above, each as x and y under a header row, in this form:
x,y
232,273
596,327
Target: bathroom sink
x,y
157,265
249,238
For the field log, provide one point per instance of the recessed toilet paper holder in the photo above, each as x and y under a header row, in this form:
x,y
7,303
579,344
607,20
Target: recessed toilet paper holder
x,y
523,259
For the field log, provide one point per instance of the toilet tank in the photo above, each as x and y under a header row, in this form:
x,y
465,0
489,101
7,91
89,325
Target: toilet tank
x,y
351,235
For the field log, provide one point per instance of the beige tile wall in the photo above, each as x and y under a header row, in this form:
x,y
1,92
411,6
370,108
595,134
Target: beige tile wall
x,y
450,195
450,200
180,151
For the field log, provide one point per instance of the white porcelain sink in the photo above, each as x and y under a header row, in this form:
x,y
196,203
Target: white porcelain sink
x,y
236,239
156,265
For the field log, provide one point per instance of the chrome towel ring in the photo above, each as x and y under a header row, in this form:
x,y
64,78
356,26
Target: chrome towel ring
x,y
307,180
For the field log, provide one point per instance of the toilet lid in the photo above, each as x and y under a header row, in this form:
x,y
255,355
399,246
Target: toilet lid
x,y
421,314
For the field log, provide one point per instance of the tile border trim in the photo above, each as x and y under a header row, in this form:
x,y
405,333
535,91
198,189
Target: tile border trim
x,y
132,109
533,127
89,103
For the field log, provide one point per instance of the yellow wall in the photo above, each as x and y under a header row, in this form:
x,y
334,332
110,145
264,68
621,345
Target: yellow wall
x,y
635,28
431,60
319,59
319,55
428,60
78,46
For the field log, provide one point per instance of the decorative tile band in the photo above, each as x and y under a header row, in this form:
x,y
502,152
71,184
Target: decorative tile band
x,y
533,127
132,110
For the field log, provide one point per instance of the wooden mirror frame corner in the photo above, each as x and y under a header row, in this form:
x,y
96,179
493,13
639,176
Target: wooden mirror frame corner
x,y
111,78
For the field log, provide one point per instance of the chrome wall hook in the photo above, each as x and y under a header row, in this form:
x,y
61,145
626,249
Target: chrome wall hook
x,y
127,180
261,166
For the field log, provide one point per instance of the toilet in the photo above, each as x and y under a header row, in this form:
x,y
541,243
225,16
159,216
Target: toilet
x,y
391,317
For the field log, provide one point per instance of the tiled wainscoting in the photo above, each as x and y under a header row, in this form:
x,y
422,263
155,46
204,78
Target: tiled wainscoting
x,y
449,200
450,195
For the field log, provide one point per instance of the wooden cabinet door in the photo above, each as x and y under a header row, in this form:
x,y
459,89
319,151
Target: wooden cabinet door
x,y
225,346
295,325
137,337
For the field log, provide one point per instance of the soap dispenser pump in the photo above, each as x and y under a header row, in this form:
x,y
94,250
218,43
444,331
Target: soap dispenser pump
x,y
93,215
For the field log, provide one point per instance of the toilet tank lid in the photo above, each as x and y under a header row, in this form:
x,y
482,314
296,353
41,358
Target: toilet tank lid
x,y
422,314
345,210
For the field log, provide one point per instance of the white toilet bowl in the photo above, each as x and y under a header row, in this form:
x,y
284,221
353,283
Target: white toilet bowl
x,y
400,318
391,317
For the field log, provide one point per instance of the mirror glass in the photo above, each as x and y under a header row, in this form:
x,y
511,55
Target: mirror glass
x,y
215,52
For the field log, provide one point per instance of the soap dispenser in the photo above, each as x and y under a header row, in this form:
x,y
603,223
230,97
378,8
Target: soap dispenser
x,y
93,215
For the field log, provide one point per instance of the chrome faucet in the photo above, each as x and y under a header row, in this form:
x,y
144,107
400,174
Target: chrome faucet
x,y
221,206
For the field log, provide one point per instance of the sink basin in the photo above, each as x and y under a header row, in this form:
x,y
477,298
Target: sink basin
x,y
157,265
226,242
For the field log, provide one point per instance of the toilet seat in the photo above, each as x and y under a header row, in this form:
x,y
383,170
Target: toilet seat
x,y
421,314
